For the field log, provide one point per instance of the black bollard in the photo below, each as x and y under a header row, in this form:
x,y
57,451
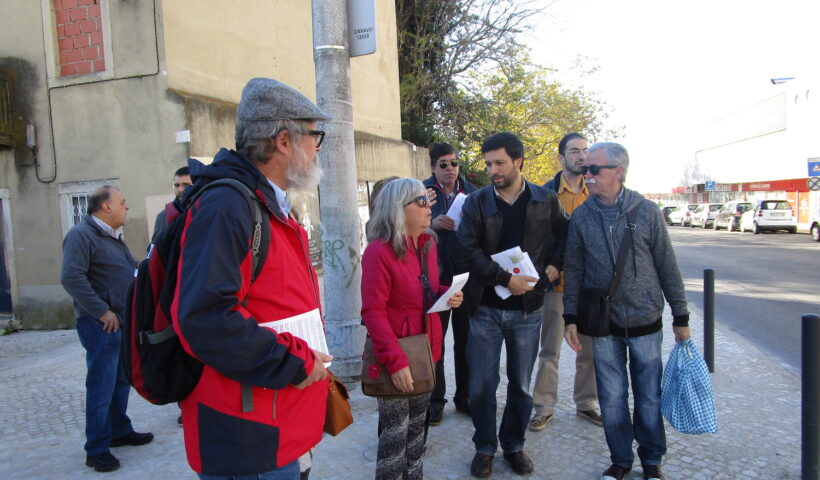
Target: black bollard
x,y
810,399
709,318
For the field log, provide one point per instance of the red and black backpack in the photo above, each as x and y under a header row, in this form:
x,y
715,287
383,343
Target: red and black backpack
x,y
155,362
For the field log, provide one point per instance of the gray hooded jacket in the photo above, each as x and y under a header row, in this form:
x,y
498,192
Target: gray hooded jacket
x,y
650,274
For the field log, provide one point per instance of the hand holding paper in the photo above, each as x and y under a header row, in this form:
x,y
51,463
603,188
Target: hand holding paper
x,y
442,303
515,262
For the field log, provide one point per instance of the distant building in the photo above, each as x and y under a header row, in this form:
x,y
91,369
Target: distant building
x,y
96,92
761,151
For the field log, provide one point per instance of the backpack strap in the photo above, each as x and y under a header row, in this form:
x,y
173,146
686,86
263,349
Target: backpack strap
x,y
259,251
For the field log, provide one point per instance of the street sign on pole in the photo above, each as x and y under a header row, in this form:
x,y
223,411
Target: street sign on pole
x,y
361,29
709,186
813,183
814,167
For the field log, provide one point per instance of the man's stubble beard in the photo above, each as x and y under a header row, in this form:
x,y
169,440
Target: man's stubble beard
x,y
303,175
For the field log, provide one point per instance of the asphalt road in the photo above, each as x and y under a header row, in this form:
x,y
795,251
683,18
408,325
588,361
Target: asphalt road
x,y
763,283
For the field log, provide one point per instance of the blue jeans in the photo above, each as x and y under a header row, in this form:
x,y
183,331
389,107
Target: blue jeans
x,y
285,472
519,331
645,371
106,388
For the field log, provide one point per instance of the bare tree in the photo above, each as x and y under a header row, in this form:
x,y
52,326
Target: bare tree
x,y
439,41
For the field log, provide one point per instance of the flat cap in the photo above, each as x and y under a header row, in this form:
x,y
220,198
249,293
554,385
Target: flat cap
x,y
266,99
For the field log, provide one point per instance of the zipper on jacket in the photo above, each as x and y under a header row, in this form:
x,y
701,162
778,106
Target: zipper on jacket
x,y
612,253
275,394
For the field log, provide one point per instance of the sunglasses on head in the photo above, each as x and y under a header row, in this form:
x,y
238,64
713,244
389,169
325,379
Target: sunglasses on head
x,y
421,201
595,169
444,163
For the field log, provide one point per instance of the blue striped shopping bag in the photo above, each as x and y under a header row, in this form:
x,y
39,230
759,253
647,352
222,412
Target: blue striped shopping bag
x,y
687,401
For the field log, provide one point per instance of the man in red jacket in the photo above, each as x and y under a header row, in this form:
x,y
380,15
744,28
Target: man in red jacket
x,y
260,403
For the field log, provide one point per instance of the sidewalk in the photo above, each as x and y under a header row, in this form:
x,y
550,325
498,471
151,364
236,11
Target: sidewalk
x,y
42,396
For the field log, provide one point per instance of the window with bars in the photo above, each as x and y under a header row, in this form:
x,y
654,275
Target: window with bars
x,y
74,198
79,207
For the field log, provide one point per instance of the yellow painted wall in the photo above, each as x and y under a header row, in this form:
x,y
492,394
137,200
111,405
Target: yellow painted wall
x,y
213,48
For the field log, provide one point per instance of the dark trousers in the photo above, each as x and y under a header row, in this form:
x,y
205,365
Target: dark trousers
x,y
461,327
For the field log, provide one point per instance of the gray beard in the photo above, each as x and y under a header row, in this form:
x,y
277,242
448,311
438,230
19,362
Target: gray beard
x,y
305,180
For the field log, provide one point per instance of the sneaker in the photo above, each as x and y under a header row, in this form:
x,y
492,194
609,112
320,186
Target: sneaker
x,y
436,413
539,422
134,439
652,472
520,462
103,462
593,416
615,472
482,465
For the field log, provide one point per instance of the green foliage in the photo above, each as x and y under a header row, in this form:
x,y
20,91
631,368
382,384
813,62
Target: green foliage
x,y
523,99
464,76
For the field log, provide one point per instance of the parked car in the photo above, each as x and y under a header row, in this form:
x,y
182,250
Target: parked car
x,y
728,217
704,215
666,211
682,214
770,215
815,228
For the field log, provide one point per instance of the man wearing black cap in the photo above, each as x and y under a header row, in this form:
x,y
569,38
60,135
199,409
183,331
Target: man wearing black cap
x,y
260,403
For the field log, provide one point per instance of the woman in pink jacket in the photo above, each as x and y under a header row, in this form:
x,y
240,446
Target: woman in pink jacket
x,y
393,306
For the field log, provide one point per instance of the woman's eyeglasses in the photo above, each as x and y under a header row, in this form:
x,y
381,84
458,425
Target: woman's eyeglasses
x,y
443,164
595,169
422,201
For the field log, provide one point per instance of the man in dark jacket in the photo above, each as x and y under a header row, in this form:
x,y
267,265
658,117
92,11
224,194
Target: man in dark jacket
x,y
447,184
182,180
97,271
650,275
260,404
509,213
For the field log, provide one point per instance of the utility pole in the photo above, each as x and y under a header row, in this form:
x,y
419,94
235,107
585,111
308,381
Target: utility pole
x,y
341,237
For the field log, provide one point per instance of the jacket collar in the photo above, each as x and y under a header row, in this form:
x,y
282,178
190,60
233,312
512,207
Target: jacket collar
x,y
488,197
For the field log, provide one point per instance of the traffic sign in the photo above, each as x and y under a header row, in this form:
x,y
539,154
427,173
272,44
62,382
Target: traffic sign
x,y
813,183
814,167
709,185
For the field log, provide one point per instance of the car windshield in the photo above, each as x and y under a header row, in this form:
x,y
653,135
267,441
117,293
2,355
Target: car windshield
x,y
715,207
742,207
775,205
692,208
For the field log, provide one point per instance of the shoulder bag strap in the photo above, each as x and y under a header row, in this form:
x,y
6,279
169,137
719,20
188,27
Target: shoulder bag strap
x,y
427,292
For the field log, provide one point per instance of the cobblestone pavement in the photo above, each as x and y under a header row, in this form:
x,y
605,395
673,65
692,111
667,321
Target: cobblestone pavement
x,y
758,400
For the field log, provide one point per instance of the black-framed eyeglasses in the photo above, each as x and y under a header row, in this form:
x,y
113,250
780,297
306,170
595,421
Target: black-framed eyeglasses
x,y
318,136
595,169
422,201
443,164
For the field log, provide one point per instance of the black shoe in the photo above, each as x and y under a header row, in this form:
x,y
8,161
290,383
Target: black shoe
x,y
436,413
652,472
103,462
462,406
133,439
482,465
615,472
519,462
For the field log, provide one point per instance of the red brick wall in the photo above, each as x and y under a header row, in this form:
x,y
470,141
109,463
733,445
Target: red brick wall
x,y
79,36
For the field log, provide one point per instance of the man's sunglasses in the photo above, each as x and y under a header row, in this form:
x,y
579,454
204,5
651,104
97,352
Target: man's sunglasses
x,y
422,201
443,164
595,169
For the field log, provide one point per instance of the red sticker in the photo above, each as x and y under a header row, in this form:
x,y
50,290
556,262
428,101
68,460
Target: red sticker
x,y
374,370
516,270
